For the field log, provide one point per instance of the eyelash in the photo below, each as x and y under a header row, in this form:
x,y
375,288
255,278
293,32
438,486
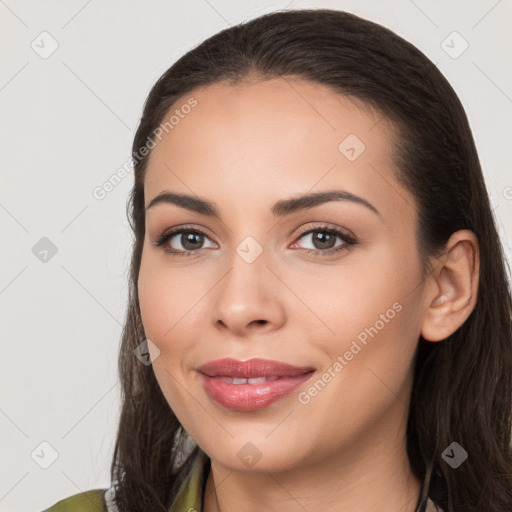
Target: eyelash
x,y
348,240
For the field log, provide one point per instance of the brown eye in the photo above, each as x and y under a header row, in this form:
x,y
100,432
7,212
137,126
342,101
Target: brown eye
x,y
189,241
183,241
324,239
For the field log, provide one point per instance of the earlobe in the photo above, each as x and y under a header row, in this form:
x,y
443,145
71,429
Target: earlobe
x,y
454,285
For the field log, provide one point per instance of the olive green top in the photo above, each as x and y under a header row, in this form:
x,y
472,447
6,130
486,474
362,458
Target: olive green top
x,y
188,499
88,501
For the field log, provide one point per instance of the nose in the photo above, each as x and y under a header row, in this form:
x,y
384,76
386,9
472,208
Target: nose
x,y
248,299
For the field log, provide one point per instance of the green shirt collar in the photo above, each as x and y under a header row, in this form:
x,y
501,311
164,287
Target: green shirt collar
x,y
191,493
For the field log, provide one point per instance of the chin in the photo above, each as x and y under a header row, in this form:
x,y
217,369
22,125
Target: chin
x,y
256,455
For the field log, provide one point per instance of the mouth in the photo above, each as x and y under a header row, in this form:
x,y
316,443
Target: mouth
x,y
251,385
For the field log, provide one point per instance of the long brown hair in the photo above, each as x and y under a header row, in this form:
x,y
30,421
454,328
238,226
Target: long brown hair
x,y
462,390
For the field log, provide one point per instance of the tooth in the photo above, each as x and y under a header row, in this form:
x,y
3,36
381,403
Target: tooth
x,y
243,380
257,380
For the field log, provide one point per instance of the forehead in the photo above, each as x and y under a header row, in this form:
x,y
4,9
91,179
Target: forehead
x,y
269,139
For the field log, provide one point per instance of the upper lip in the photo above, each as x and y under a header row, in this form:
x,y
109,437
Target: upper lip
x,y
253,368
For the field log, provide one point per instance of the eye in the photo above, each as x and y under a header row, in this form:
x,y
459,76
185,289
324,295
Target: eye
x,y
323,239
190,240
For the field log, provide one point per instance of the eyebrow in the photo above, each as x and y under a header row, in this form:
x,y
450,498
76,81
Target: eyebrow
x,y
281,208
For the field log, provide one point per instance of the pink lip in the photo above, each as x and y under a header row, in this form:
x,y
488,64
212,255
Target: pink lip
x,y
251,396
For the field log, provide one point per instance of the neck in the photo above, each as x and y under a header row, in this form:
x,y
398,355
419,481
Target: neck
x,y
372,474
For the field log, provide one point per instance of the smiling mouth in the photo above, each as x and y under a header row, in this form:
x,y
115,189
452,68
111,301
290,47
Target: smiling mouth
x,y
244,394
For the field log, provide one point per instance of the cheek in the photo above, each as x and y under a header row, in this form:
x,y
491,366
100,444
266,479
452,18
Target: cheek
x,y
373,318
172,305
369,365
364,294
166,299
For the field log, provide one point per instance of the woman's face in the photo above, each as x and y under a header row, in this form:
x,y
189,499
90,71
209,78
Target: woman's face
x,y
266,280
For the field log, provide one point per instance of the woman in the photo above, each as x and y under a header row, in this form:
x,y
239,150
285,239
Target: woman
x,y
318,282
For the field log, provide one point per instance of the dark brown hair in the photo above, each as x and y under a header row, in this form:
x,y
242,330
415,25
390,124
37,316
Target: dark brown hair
x,y
462,385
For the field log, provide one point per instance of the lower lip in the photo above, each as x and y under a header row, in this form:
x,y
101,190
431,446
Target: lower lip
x,y
251,397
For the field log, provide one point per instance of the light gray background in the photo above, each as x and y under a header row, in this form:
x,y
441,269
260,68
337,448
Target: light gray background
x,y
67,125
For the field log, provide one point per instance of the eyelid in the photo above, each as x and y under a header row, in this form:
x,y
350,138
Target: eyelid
x,y
186,227
326,226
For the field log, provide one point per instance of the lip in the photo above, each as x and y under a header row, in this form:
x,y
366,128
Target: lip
x,y
253,368
284,379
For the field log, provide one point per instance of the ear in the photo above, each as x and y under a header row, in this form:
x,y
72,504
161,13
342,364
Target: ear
x,y
454,286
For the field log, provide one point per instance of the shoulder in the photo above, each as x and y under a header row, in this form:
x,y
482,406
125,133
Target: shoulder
x,y
88,501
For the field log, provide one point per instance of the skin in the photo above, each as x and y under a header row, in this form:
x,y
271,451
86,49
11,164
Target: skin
x,y
243,148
